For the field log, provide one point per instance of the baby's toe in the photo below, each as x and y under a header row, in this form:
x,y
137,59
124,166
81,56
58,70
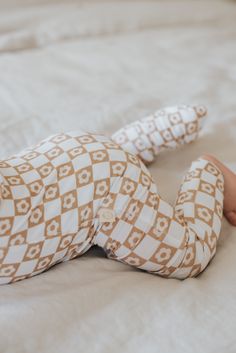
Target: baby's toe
x,y
231,217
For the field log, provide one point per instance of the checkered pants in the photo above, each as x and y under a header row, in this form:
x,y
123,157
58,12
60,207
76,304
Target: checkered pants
x,y
75,190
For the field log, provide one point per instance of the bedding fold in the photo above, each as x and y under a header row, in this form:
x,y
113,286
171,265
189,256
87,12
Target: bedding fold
x,y
29,25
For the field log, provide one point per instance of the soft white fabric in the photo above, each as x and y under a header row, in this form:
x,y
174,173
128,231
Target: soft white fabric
x,y
96,68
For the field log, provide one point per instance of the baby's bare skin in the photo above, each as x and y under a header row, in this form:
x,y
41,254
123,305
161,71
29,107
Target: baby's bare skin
x,y
229,189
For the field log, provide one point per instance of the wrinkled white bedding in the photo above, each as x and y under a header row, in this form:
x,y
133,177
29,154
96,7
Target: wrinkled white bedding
x,y
97,65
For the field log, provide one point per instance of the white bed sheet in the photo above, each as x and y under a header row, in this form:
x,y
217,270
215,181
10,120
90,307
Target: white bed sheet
x,y
97,65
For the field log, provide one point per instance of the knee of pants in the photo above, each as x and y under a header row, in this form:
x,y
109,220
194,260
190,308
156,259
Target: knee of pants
x,y
195,260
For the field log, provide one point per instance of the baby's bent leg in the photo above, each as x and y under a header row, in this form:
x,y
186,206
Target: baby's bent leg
x,y
184,237
200,205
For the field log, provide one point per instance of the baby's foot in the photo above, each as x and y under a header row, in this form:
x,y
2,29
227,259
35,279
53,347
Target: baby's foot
x,y
229,189
165,129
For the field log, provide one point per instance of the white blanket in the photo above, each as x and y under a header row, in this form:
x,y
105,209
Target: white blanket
x,y
97,65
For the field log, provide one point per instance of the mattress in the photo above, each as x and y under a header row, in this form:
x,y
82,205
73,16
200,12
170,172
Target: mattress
x,y
97,65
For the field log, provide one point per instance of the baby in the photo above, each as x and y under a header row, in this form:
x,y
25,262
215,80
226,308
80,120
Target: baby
x,y
75,190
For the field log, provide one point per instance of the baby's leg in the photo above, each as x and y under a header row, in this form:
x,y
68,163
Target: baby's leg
x,y
167,128
181,240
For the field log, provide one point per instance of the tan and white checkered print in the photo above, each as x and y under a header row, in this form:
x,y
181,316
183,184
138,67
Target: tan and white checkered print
x,y
166,128
74,190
